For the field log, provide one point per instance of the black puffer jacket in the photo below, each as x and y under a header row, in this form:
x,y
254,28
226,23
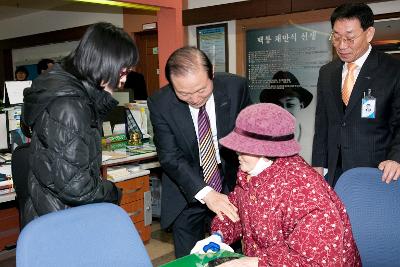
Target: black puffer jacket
x,y
65,117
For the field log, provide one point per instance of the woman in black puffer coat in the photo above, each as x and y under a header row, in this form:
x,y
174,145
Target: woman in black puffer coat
x,y
64,109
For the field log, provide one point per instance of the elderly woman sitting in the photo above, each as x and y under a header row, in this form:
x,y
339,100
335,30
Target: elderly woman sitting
x,y
289,215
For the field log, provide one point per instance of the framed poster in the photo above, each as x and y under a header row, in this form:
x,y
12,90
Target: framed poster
x,y
213,40
282,68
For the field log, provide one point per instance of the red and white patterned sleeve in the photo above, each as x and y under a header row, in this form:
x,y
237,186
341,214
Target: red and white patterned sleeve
x,y
231,231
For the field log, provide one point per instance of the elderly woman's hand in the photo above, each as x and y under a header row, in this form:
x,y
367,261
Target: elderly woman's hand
x,y
242,262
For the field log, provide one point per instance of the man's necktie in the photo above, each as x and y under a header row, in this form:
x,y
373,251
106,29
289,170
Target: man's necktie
x,y
207,152
348,83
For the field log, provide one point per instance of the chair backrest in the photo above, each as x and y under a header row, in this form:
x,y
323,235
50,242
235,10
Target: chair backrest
x,y
20,171
374,210
90,235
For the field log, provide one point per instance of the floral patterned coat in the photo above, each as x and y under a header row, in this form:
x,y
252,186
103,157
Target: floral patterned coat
x,y
289,216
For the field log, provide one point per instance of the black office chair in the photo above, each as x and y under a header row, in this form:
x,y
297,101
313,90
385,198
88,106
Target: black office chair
x,y
20,171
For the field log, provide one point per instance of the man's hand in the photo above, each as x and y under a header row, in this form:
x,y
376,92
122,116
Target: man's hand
x,y
391,170
242,262
320,170
220,204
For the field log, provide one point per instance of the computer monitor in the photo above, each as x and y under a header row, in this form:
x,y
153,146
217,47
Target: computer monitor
x,y
13,93
4,137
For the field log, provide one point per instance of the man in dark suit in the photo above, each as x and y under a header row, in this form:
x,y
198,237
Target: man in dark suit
x,y
186,198
358,101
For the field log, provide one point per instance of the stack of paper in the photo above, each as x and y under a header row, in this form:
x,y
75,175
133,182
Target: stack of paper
x,y
116,172
5,157
106,155
6,186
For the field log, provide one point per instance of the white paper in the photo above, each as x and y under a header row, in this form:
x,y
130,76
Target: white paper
x,y
139,113
107,128
15,91
5,169
119,128
13,125
3,131
105,157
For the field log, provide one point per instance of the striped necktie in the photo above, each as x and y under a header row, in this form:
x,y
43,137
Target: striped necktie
x,y
207,152
348,83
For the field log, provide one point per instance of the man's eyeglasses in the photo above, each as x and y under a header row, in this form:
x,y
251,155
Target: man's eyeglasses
x,y
337,39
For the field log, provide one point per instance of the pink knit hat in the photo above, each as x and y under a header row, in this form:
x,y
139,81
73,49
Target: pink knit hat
x,y
263,129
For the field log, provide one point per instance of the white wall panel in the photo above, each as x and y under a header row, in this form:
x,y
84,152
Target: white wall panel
x,y
46,21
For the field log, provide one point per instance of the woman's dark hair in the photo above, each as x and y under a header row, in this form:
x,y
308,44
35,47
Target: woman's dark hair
x,y
185,60
102,53
21,69
360,11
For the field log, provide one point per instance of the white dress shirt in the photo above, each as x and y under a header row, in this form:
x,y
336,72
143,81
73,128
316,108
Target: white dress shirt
x,y
194,112
359,62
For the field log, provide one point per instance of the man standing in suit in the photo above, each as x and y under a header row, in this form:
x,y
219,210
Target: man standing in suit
x,y
345,135
194,89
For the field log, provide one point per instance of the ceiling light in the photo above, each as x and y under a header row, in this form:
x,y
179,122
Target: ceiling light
x,y
120,4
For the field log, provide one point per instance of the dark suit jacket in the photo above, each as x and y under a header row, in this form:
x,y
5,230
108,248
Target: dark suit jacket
x,y
176,141
362,142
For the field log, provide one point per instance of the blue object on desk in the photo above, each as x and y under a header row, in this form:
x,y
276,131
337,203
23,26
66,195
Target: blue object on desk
x,y
213,246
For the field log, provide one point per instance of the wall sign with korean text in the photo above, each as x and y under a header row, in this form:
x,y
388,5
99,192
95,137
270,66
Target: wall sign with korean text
x,y
282,66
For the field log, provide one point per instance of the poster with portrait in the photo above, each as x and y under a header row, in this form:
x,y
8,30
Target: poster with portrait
x,y
282,68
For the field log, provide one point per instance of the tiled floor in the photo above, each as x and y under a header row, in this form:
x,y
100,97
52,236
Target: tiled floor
x,y
160,248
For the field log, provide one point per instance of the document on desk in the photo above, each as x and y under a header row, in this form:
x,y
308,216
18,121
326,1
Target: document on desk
x,y
3,132
106,155
5,156
107,128
113,173
5,169
142,149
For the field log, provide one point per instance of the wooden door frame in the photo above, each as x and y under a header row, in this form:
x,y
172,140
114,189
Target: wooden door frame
x,y
141,66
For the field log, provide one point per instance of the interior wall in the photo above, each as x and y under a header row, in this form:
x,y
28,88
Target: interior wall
x,y
236,38
197,4
46,21
192,41
32,55
38,22
133,20
385,7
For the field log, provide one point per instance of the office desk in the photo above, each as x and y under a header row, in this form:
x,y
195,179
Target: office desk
x,y
9,221
136,195
9,217
136,199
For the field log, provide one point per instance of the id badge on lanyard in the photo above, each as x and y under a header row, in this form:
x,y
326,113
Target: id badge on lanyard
x,y
368,105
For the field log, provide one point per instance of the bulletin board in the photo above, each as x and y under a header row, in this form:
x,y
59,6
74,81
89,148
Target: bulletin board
x,y
213,40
